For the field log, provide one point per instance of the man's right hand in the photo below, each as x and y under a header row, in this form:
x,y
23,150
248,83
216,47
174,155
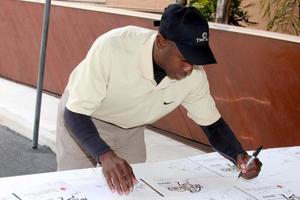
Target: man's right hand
x,y
118,173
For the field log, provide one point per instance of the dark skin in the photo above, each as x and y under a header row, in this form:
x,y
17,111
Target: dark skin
x,y
254,168
118,173
169,58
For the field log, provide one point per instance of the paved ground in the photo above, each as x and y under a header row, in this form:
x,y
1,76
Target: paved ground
x,y
18,158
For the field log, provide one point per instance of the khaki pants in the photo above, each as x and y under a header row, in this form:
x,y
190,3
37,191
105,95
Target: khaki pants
x,y
128,144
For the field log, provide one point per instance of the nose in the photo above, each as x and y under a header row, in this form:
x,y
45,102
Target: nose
x,y
188,68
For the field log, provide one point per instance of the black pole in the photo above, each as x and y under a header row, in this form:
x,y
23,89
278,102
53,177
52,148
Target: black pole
x,y
41,74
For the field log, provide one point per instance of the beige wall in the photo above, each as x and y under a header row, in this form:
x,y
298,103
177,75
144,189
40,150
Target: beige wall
x,y
143,5
158,6
255,14
255,11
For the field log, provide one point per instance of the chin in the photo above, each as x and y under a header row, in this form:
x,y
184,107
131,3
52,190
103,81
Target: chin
x,y
176,77
171,77
180,77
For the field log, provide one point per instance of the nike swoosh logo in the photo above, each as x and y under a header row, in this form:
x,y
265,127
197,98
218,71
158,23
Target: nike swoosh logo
x,y
167,103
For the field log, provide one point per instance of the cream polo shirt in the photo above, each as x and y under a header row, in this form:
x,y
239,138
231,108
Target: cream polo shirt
x,y
115,83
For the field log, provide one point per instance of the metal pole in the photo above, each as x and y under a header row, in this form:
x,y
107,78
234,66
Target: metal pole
x,y
181,2
222,13
41,74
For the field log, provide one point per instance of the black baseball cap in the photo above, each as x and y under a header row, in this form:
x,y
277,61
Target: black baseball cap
x,y
188,29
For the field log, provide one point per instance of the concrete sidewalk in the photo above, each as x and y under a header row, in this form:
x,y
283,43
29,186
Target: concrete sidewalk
x,y
18,157
17,107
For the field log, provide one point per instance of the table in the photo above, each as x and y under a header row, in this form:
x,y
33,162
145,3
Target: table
x,y
207,176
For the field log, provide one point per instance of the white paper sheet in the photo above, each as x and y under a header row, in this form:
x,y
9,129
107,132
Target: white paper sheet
x,y
208,176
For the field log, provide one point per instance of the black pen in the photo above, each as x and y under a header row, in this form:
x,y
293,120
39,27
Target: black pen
x,y
254,155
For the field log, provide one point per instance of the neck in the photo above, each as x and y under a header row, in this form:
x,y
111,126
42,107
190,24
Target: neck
x,y
158,72
155,54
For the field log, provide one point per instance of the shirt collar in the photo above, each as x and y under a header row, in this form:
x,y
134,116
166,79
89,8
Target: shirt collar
x,y
146,59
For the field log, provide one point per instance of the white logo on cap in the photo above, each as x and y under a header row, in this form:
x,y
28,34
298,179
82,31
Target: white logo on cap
x,y
203,39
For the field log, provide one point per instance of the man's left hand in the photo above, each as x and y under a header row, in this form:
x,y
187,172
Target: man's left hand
x,y
252,170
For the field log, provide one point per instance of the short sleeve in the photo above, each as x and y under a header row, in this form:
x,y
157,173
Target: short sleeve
x,y
88,82
199,103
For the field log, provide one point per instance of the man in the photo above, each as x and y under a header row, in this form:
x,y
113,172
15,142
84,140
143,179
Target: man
x,y
131,77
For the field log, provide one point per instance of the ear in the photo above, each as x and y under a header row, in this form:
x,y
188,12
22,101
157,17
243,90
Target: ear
x,y
161,41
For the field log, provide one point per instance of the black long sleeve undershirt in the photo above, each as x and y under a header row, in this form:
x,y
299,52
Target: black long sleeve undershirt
x,y
159,73
85,131
223,139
